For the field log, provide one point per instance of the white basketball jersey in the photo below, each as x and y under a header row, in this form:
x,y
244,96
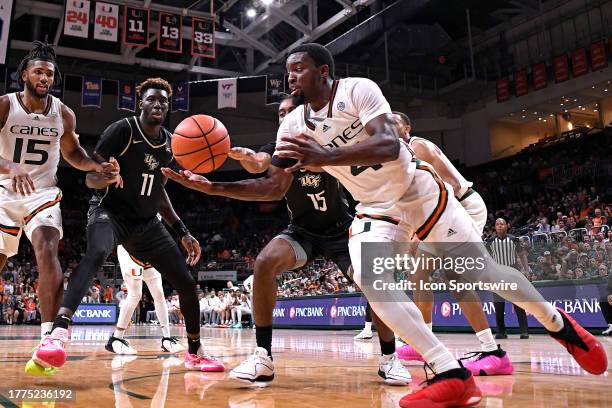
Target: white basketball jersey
x,y
32,140
353,103
462,181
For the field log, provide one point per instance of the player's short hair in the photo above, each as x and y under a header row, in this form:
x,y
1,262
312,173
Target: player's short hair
x,y
404,117
294,99
319,54
153,83
40,51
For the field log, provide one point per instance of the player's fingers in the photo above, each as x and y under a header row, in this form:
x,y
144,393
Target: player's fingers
x,y
26,187
171,174
30,183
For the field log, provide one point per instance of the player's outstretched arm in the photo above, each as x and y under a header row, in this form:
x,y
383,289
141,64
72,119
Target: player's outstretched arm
x,y
72,151
382,146
272,187
429,152
252,161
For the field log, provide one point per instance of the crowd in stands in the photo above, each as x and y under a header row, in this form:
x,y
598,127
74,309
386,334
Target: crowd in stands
x,y
554,198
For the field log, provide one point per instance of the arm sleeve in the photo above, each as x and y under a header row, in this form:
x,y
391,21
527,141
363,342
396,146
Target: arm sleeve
x,y
284,130
268,148
114,140
368,100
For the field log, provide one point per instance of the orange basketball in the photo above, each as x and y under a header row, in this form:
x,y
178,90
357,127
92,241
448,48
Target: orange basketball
x,y
200,143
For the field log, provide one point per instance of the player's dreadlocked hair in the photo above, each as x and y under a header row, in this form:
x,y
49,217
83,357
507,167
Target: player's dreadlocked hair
x,y
153,83
41,51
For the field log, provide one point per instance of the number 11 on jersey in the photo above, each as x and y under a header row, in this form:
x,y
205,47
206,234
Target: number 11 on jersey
x,y
147,184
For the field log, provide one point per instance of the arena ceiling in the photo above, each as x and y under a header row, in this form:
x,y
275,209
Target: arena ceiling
x,y
415,37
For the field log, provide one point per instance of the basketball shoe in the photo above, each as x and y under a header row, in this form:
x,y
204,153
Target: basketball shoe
x,y
202,362
171,345
608,331
119,346
408,353
390,368
365,334
489,363
257,368
453,388
51,352
37,370
582,345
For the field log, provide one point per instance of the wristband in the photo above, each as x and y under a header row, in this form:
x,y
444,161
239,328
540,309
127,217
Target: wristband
x,y
180,229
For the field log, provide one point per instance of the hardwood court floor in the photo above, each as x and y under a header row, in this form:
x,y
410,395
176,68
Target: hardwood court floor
x,y
313,369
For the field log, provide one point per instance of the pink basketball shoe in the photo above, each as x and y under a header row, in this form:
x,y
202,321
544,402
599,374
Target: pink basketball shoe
x,y
52,349
490,363
202,362
406,352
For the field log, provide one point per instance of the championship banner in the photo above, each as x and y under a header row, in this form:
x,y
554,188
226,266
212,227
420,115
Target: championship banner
x,y
12,85
561,68
76,19
91,94
126,99
579,62
520,82
136,27
503,90
275,86
202,38
169,34
540,76
180,96
599,59
6,9
106,22
226,93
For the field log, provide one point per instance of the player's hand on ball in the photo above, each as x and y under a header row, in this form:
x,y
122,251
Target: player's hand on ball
x,y
22,182
192,246
188,179
304,149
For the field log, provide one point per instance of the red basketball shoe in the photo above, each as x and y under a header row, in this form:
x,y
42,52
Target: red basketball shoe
x,y
582,345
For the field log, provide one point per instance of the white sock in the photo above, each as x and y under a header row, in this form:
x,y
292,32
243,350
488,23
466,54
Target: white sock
x,y
45,328
119,333
487,341
430,325
368,326
440,360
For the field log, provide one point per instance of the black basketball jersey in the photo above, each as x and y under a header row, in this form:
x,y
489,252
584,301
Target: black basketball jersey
x,y
316,202
140,160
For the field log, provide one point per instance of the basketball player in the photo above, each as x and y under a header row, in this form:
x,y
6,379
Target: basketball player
x,y
491,360
320,217
347,128
134,272
128,216
36,127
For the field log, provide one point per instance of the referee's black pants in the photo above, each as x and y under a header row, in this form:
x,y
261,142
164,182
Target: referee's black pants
x,y
606,310
149,242
500,305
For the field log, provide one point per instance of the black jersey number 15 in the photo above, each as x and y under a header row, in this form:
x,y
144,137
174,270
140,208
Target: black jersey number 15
x,y
31,149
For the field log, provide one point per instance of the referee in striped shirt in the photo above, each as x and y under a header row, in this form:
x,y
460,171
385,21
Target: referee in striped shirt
x,y
506,250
